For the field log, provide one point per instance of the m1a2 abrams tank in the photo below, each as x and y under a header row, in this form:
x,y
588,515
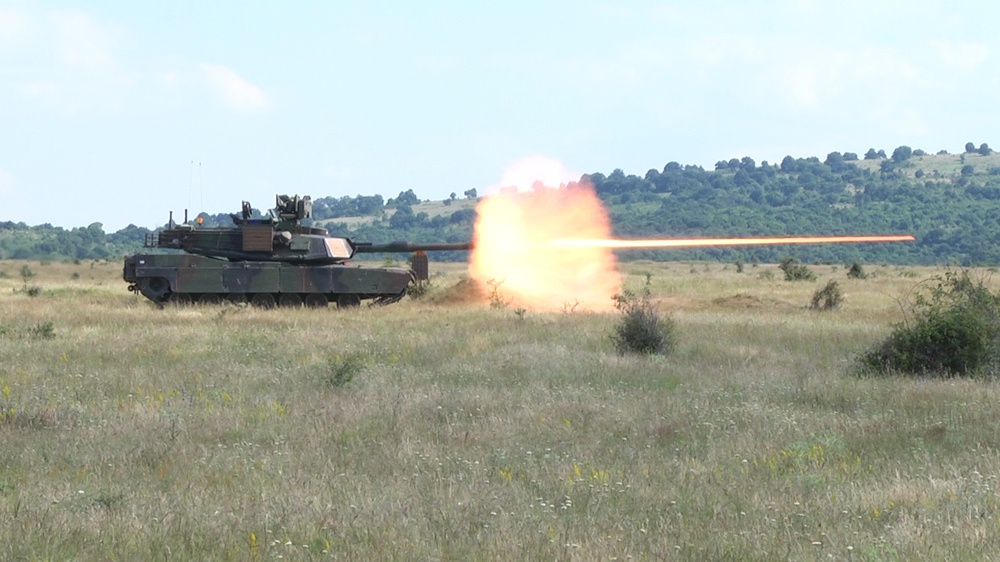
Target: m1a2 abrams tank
x,y
269,261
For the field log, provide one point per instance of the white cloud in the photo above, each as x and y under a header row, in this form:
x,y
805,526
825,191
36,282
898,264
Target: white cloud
x,y
80,41
966,55
12,25
234,90
169,79
65,59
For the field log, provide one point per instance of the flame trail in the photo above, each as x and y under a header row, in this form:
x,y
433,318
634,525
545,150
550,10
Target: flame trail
x,y
613,243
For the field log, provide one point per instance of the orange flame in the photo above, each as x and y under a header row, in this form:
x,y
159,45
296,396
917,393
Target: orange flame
x,y
516,251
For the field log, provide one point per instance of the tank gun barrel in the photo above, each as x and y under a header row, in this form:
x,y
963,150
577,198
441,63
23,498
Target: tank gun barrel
x,y
403,247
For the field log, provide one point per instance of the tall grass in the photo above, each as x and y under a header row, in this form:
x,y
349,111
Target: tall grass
x,y
465,432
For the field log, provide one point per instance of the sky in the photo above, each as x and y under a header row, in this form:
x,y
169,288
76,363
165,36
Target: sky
x,y
120,111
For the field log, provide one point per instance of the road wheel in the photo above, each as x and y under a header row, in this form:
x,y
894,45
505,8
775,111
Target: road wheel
x,y
156,289
316,300
348,300
290,300
263,300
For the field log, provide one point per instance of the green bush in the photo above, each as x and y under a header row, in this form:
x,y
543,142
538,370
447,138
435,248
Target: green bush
x,y
45,330
954,331
796,271
642,329
856,271
827,298
418,289
341,369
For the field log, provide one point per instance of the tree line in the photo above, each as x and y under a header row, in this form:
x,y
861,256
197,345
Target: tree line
x,y
948,201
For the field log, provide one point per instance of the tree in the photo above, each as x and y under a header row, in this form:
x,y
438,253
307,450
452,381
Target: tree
x,y
871,154
405,198
970,147
968,170
789,165
901,154
402,218
881,153
470,193
984,149
835,161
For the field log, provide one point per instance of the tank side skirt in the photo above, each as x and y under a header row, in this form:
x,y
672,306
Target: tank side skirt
x,y
197,275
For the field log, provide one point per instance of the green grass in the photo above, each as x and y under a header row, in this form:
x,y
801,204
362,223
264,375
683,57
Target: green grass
x,y
465,433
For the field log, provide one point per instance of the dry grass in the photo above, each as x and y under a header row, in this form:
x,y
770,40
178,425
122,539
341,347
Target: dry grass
x,y
470,433
432,208
935,166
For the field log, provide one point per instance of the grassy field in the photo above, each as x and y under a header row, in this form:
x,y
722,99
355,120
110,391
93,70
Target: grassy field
x,y
432,208
442,429
938,166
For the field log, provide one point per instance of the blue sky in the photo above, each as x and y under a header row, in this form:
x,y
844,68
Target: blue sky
x,y
117,112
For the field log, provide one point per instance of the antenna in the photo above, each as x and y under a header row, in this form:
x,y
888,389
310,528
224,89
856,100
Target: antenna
x,y
201,191
190,185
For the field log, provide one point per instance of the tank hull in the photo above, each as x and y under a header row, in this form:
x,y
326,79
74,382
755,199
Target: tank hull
x,y
164,278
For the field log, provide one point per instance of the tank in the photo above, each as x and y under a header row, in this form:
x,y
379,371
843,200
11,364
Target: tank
x,y
269,261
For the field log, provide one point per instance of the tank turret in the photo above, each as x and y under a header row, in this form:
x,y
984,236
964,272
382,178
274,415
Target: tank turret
x,y
268,260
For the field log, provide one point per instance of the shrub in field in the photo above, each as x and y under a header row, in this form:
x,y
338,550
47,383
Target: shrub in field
x,y
827,298
45,330
419,289
342,368
796,271
498,301
856,271
954,330
642,329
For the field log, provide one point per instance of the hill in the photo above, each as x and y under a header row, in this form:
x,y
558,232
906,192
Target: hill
x,y
948,201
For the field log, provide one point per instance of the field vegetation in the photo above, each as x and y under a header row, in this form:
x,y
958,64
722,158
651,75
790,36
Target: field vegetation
x,y
443,428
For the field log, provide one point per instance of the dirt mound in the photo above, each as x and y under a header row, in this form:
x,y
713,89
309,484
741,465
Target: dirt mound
x,y
464,292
